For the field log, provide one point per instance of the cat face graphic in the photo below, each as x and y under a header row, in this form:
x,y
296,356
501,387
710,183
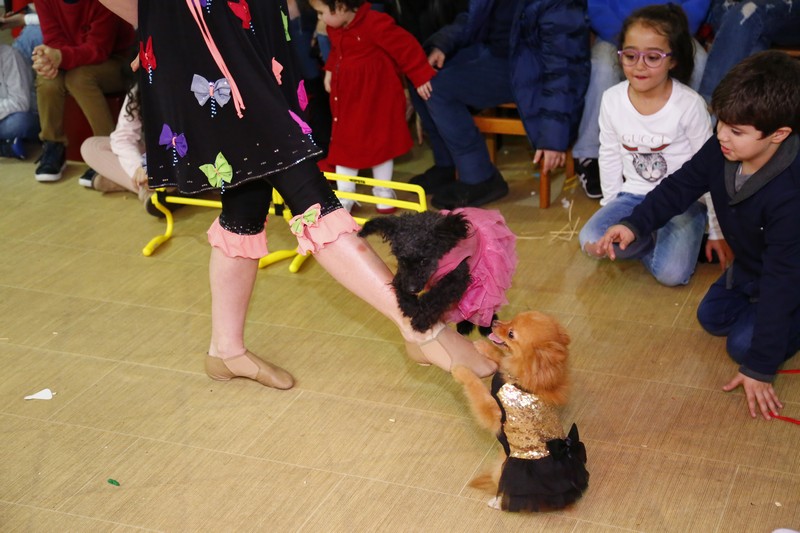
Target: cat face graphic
x,y
651,167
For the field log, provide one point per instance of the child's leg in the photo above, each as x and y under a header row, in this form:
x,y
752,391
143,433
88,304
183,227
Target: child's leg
x,y
238,241
96,152
729,312
384,172
353,263
604,218
674,257
346,186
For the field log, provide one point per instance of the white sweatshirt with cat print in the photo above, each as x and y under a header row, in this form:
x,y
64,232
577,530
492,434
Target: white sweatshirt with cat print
x,y
637,151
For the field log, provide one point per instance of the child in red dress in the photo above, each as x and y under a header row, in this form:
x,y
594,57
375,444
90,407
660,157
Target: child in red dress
x,y
364,76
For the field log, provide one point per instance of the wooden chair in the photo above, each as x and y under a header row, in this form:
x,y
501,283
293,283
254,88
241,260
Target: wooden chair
x,y
794,51
492,123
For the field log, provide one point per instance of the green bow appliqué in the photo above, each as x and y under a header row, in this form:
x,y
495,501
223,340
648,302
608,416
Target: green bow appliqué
x,y
221,171
309,218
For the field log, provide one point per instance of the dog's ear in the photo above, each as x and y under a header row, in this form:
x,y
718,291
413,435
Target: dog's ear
x,y
546,374
384,226
452,228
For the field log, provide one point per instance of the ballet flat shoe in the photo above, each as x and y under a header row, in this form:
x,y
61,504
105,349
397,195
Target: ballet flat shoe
x,y
248,365
429,351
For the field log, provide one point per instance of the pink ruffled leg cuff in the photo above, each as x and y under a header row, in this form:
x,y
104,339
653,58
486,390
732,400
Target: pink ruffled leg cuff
x,y
234,245
327,229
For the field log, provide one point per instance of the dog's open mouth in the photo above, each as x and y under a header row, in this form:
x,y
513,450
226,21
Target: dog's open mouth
x,y
495,339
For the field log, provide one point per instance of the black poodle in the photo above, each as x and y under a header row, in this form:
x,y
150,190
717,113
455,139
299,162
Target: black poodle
x,y
419,241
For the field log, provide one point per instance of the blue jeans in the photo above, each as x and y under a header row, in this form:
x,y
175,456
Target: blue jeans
x,y
23,124
471,79
670,254
731,313
744,28
604,75
29,38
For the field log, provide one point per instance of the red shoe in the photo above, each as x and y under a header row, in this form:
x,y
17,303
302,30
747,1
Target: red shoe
x,y
383,192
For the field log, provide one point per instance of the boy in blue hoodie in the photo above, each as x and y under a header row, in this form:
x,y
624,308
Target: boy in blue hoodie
x,y
752,169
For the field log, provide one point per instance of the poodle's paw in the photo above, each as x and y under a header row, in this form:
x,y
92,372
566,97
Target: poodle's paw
x,y
422,324
494,503
465,327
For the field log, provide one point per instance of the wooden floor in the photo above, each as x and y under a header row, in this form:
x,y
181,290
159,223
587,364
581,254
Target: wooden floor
x,y
366,441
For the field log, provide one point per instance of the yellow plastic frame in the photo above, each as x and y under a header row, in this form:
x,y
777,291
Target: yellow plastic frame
x,y
419,206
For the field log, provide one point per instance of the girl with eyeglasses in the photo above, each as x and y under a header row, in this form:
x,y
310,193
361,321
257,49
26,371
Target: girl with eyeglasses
x,y
650,124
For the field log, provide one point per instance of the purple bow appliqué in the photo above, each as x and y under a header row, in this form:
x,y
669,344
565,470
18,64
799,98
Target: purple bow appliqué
x,y
177,142
219,92
206,4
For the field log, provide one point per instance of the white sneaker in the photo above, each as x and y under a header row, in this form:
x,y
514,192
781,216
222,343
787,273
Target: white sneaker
x,y
385,192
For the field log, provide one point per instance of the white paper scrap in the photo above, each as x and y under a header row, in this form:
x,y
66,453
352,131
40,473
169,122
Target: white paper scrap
x,y
44,394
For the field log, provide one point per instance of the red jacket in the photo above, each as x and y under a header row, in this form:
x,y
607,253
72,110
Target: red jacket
x,y
85,32
368,59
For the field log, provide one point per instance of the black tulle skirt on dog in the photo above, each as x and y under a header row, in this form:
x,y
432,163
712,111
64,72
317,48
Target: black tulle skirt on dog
x,y
549,483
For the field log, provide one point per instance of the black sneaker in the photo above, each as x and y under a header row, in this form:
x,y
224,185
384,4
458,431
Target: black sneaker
x,y
52,162
435,179
87,179
588,172
461,194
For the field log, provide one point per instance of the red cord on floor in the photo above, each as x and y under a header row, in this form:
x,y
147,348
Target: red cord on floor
x,y
787,418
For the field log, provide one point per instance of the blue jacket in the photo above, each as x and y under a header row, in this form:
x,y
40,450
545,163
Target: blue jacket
x,y
760,223
607,16
549,59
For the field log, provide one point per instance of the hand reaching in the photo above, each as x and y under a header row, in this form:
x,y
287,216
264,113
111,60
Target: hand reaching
x,y
436,58
615,234
757,393
550,159
12,21
424,91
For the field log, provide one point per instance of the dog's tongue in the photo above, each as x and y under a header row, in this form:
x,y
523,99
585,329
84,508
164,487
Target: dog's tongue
x,y
494,338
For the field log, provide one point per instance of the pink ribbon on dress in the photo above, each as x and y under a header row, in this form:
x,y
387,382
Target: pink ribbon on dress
x,y
197,13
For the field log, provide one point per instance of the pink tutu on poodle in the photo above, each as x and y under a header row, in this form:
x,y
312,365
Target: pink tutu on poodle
x,y
492,258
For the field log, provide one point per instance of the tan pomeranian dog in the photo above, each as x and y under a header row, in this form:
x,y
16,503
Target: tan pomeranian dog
x,y
541,469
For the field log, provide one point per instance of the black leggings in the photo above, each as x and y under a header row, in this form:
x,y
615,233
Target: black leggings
x,y
245,207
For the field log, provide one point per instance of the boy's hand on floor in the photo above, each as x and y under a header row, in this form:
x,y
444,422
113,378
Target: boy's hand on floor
x,y
757,393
